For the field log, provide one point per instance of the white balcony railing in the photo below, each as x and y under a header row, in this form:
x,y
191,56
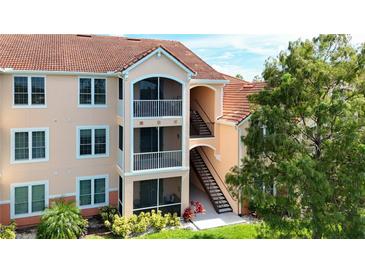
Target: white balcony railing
x,y
156,160
157,108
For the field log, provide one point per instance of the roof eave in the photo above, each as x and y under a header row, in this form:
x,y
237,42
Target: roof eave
x,y
159,51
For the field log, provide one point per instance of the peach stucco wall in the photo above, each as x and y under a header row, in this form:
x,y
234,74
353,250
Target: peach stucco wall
x,y
154,67
61,116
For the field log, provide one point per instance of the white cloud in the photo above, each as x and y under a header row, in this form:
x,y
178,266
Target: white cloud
x,y
265,45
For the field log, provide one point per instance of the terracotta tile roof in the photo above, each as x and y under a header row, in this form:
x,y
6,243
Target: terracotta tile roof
x,y
90,53
235,98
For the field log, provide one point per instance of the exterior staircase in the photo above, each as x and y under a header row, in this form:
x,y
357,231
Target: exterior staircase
x,y
216,196
198,128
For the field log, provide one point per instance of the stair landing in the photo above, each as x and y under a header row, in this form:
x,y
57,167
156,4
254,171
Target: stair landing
x,y
211,218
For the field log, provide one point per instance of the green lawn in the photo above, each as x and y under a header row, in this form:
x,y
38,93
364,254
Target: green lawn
x,y
241,231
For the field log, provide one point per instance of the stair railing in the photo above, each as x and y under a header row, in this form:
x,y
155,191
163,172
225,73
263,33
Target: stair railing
x,y
222,182
195,105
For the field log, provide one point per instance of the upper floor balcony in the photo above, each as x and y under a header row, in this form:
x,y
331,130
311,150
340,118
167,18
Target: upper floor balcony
x,y
157,97
157,147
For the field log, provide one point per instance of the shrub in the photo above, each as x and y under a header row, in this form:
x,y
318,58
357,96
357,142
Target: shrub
x,y
158,221
121,227
7,231
62,220
190,212
107,213
172,220
140,223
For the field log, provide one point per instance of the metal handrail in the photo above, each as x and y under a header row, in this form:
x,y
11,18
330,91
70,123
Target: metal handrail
x,y
220,179
205,114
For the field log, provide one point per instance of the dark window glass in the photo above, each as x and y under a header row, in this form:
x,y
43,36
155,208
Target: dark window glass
x,y
170,89
148,139
120,89
38,95
38,198
147,89
85,192
144,194
120,137
85,142
99,92
99,191
170,191
85,91
21,200
21,90
38,145
171,209
120,189
21,146
100,141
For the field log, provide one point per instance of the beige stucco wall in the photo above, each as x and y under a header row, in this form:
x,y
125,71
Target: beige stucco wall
x,y
154,67
61,116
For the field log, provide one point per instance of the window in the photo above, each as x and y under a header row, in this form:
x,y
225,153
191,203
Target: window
x,y
158,194
29,199
120,137
29,91
92,191
93,141
120,89
29,145
92,92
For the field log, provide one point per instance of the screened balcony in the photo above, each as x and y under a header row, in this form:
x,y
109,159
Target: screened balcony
x,y
157,147
157,97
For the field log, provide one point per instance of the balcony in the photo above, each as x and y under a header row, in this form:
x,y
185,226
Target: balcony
x,y
157,147
157,97
157,160
157,108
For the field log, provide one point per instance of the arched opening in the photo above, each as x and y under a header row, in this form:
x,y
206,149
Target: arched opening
x,y
156,97
202,111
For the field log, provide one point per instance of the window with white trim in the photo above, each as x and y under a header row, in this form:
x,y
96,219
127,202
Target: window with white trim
x,y
29,199
29,145
92,191
29,91
92,92
92,141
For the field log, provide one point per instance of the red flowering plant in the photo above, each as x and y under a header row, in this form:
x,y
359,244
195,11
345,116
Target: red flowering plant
x,y
198,207
190,212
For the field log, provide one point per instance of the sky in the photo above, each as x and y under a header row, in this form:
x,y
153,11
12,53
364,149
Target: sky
x,y
235,54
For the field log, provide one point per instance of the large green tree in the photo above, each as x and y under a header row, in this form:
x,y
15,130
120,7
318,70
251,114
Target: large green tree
x,y
305,163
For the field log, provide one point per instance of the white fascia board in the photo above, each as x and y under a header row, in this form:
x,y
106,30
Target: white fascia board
x,y
159,51
208,81
46,72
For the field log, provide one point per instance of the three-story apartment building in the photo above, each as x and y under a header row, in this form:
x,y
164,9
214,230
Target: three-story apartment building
x,y
101,120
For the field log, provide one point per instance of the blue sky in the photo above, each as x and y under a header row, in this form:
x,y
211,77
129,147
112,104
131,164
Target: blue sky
x,y
232,54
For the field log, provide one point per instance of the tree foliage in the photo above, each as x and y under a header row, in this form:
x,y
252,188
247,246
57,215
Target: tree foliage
x,y
313,151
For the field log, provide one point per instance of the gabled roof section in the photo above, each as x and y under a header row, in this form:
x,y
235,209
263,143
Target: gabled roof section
x,y
236,106
149,53
90,53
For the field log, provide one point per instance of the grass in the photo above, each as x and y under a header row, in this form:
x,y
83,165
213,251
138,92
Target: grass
x,y
241,231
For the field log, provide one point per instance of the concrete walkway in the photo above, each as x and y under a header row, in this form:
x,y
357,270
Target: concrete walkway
x,y
211,218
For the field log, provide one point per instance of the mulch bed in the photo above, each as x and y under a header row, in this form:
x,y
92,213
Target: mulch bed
x,y
96,226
